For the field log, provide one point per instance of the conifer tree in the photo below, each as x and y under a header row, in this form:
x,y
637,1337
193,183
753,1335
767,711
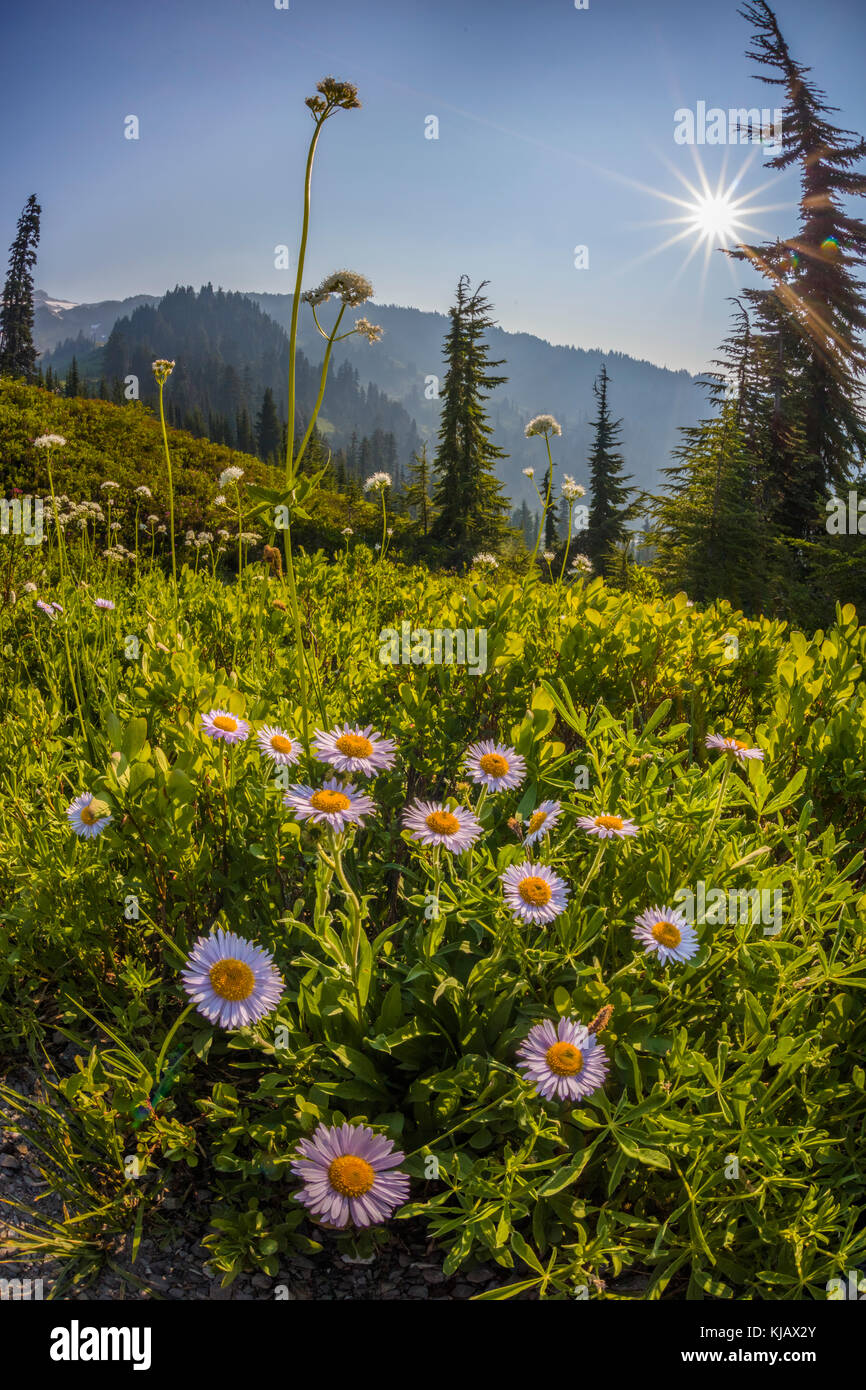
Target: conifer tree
x,y
810,319
268,431
467,494
418,492
17,352
72,385
610,507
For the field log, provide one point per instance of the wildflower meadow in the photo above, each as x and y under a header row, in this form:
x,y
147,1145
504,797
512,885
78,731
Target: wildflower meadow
x,y
514,906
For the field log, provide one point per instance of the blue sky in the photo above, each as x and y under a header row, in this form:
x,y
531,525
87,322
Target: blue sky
x,y
555,130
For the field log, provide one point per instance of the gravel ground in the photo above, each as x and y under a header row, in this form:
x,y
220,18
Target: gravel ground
x,y
409,1267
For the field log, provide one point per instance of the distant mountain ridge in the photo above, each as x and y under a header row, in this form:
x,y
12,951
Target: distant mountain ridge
x,y
407,367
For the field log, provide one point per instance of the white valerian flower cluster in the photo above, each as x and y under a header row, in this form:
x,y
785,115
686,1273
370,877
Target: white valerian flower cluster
x,y
143,492
250,537
371,331
152,519
529,472
219,501
581,564
107,485
229,475
347,531
49,441
549,556
352,288
485,558
162,369
118,552
570,489
67,511
543,424
377,482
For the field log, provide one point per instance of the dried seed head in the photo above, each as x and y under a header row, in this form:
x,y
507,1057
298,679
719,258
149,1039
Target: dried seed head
x,y
601,1020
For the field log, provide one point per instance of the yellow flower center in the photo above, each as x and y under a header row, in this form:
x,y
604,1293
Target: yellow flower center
x,y
535,891
88,815
330,801
536,821
442,823
232,979
609,822
226,723
564,1059
667,934
281,744
737,746
354,746
351,1176
493,764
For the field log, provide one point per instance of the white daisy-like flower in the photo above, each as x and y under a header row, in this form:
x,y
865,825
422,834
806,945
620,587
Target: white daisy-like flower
x,y
230,980
335,804
563,1060
222,724
608,827
87,816
377,482
349,1176
495,766
349,748
665,932
738,750
543,424
277,745
434,823
570,489
533,892
542,821
49,441
229,475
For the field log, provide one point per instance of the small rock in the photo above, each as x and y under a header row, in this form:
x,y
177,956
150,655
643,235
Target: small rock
x,y
261,1281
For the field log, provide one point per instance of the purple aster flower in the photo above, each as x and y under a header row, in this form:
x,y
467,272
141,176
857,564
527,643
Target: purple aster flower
x,y
608,827
353,749
346,1177
495,766
666,932
738,750
277,745
433,823
533,892
541,821
563,1060
334,804
47,609
220,724
87,816
230,980
104,603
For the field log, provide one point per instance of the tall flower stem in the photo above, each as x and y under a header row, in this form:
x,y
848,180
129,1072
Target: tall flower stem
x,y
546,506
568,541
61,547
161,384
356,914
323,380
729,759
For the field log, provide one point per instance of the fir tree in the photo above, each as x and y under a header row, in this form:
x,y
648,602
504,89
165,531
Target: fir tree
x,y
467,494
609,508
17,352
72,385
810,320
268,431
418,492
